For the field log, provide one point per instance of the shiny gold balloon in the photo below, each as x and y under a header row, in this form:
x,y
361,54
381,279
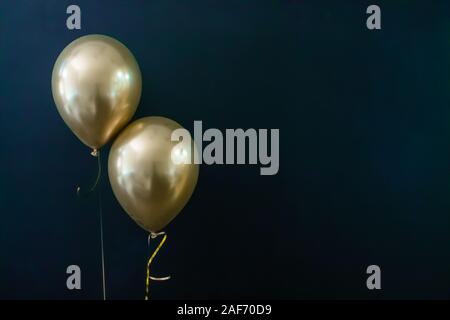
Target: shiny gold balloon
x,y
96,85
147,182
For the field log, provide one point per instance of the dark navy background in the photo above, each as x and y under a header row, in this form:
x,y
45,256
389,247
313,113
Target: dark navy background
x,y
364,178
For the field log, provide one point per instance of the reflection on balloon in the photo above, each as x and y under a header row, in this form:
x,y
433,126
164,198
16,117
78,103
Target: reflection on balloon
x,y
147,183
96,85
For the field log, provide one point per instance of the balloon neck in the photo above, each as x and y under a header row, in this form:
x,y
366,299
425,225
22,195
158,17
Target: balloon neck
x,y
94,152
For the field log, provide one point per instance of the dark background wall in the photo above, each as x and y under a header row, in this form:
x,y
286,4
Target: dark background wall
x,y
364,178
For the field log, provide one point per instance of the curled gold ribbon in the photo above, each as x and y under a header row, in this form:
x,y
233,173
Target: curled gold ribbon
x,y
149,277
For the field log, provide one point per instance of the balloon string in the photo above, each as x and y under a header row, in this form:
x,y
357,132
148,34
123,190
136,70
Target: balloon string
x,y
147,281
101,243
82,192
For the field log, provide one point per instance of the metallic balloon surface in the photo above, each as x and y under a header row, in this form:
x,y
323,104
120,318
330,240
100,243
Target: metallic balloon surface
x,y
96,85
147,183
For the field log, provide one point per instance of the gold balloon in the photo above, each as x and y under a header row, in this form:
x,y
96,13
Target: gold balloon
x,y
149,185
96,85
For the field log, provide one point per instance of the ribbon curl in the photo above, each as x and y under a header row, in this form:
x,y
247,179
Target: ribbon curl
x,y
153,235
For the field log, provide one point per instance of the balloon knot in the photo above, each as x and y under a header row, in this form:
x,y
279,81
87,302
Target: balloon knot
x,y
94,152
153,235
